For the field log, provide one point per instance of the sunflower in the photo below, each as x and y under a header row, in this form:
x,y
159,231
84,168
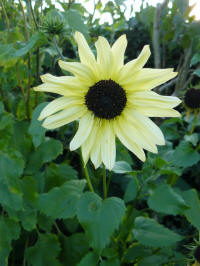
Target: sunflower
x,y
110,99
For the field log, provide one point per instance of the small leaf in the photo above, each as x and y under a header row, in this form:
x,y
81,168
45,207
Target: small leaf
x,y
44,252
184,155
46,152
192,138
36,130
89,259
112,262
62,202
166,200
195,59
122,167
99,218
149,233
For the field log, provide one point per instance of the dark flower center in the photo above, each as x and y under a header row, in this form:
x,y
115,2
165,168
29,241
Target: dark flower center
x,y
192,98
106,99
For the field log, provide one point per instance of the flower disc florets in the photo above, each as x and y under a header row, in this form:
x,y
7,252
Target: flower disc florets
x,y
106,99
192,98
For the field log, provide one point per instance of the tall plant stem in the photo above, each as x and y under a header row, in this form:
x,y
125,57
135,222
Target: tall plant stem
x,y
84,167
37,54
29,64
104,182
57,48
6,18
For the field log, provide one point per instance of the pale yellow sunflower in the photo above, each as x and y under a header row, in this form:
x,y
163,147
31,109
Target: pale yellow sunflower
x,y
110,99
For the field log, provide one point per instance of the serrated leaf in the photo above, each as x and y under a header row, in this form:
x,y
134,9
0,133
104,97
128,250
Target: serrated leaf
x,y
192,200
62,202
46,152
35,129
153,260
166,200
150,233
136,251
9,230
185,155
131,190
99,218
122,167
44,252
112,262
89,259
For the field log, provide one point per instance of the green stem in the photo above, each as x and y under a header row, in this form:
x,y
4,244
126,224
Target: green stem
x,y
57,48
194,123
104,182
88,178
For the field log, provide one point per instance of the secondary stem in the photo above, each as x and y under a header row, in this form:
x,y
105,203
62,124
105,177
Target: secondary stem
x,y
57,48
104,183
88,179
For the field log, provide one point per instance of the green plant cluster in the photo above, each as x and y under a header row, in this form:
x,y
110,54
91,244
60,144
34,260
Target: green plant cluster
x,y
48,217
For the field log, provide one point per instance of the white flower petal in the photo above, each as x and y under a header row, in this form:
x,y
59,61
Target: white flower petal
x,y
158,111
64,117
133,66
152,99
148,127
127,141
108,149
95,154
118,50
59,104
105,58
80,70
147,79
84,129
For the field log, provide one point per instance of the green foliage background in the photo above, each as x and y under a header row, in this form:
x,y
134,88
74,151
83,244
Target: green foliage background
x,y
48,216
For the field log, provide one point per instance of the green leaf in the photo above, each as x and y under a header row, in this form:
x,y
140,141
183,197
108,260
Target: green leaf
x,y
75,247
149,233
184,155
62,202
153,260
9,230
195,59
197,72
46,152
7,57
44,252
58,174
36,40
11,168
136,251
36,130
1,108
75,21
122,167
112,262
99,218
166,200
192,200
89,259
131,191
192,138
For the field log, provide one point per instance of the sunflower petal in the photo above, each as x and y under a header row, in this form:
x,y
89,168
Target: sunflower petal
x,y
95,155
152,99
64,117
104,57
133,66
80,70
147,79
84,129
59,104
118,50
128,142
108,149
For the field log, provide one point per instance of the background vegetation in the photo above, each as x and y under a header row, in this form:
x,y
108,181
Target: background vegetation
x,y
152,213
